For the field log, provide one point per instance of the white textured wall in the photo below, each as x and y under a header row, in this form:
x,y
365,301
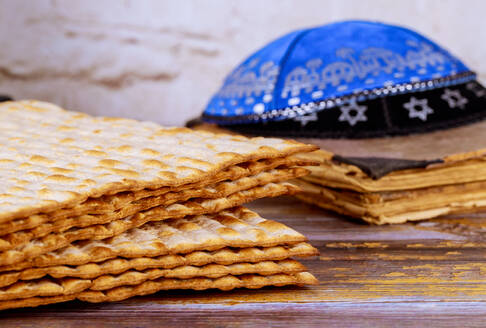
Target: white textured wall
x,y
161,60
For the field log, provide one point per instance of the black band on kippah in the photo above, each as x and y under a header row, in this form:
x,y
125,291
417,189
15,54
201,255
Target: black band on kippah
x,y
401,114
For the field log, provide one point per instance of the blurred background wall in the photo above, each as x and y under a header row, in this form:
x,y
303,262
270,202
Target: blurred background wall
x,y
162,59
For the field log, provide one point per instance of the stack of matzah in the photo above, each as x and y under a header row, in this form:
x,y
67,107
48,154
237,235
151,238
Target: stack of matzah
x,y
102,209
429,175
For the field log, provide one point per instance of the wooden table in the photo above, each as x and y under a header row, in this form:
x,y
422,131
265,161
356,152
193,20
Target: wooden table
x,y
431,273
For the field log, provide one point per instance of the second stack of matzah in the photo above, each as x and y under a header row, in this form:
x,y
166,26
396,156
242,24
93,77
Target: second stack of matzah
x,y
102,209
383,190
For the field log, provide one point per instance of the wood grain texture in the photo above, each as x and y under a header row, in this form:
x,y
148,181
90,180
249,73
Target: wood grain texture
x,y
431,273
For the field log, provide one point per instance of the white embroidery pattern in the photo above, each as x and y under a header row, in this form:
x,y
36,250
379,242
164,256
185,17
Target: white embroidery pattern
x,y
247,83
478,91
454,98
306,119
353,113
413,108
363,66
259,108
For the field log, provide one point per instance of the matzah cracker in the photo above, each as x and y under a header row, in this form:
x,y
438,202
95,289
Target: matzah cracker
x,y
398,206
224,256
110,203
66,286
222,189
55,241
236,227
223,283
150,287
213,271
35,301
44,287
51,158
347,176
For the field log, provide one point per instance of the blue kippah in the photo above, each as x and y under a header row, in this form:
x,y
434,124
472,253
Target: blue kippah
x,y
342,70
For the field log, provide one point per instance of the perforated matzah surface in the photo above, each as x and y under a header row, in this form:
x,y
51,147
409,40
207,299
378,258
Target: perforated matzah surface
x,y
220,190
51,158
55,241
236,227
110,203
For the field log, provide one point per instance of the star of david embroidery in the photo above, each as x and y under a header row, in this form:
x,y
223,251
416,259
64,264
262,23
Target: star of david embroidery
x,y
418,108
306,119
353,113
478,91
454,98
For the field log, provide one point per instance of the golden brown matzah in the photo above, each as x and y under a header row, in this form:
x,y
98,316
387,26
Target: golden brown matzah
x,y
223,283
235,227
110,203
220,190
397,206
137,208
149,287
66,286
55,241
35,301
135,277
224,256
44,287
51,158
346,176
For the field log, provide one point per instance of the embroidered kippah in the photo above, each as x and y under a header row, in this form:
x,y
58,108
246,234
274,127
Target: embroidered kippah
x,y
349,79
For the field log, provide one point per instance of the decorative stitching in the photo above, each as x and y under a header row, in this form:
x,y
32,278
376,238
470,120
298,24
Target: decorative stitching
x,y
312,107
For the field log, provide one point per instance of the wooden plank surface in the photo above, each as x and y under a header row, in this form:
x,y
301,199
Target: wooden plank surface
x,y
431,273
